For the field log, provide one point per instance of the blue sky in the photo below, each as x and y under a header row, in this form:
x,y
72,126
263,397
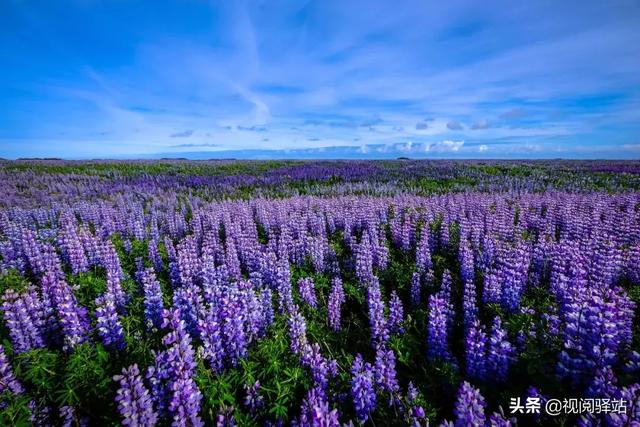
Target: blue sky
x,y
89,78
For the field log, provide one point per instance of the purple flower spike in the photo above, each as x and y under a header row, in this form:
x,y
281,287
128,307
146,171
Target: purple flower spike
x,y
108,322
8,381
362,388
396,314
469,407
336,299
134,401
307,292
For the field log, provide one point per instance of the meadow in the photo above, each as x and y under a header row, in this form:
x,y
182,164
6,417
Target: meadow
x,y
318,293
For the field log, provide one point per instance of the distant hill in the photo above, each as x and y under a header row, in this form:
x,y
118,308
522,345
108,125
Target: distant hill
x,y
38,158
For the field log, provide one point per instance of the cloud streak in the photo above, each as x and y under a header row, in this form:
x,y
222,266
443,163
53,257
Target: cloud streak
x,y
185,134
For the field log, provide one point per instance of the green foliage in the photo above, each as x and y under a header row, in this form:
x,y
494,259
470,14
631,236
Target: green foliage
x,y
89,287
12,279
283,379
87,376
40,370
14,410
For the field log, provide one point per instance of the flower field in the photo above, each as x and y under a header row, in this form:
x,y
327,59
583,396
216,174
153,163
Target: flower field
x,y
318,293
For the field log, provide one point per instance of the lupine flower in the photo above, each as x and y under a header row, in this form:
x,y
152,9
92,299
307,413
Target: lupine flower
x,y
283,287
114,288
8,381
322,369
498,420
108,322
469,408
598,325
377,320
187,260
252,400
174,269
475,345
385,370
134,401
233,317
297,332
67,416
445,288
500,353
212,344
315,411
51,325
172,376
423,251
515,266
469,306
188,300
364,261
630,395
417,413
253,316
492,289
396,314
603,384
71,246
416,289
362,388
153,305
266,304
72,316
39,415
633,363
443,237
336,299
23,317
154,256
307,292
33,253
438,329
225,417
318,248
465,256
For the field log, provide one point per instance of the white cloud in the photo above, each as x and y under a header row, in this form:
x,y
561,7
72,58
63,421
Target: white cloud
x,y
445,146
483,148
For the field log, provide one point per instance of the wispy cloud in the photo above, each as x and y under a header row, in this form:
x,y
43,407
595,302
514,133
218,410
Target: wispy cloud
x,y
481,124
195,145
514,114
184,134
454,125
